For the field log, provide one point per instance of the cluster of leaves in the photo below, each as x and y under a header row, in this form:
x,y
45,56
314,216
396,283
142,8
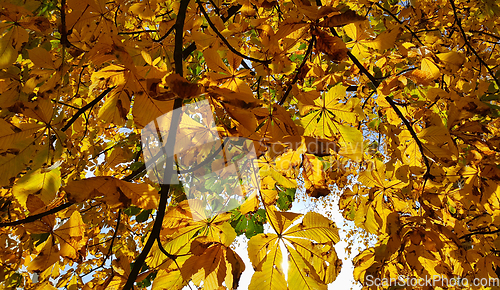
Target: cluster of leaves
x,y
395,103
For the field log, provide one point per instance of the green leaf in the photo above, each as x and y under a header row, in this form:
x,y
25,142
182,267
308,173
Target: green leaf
x,y
132,210
143,216
39,238
285,198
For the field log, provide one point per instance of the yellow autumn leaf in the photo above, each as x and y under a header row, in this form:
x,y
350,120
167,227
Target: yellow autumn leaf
x,y
168,280
216,262
385,40
325,118
145,10
333,46
363,261
114,191
251,203
71,236
429,68
8,54
41,58
46,286
351,142
269,274
48,255
182,222
342,19
452,58
116,106
44,184
314,176
309,245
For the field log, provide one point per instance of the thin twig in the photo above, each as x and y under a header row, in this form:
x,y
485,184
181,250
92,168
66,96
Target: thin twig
x,y
400,22
230,13
166,34
207,159
86,107
486,33
479,233
64,104
110,249
464,36
299,69
210,23
136,32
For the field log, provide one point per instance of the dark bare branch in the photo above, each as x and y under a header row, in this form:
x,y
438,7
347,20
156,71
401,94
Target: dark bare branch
x,y
400,22
394,106
165,188
299,69
210,23
36,217
464,36
480,233
136,32
110,249
86,107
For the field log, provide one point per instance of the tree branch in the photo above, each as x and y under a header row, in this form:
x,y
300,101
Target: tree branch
x,y
393,105
164,193
360,66
230,12
299,69
464,36
486,33
165,188
166,34
136,32
86,107
179,36
400,22
192,47
200,5
63,31
134,173
36,217
479,233
206,160
113,238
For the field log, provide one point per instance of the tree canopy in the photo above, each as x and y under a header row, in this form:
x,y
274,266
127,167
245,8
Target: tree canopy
x,y
390,105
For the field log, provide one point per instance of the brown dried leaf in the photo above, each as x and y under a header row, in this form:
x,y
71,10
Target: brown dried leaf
x,y
341,19
333,46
